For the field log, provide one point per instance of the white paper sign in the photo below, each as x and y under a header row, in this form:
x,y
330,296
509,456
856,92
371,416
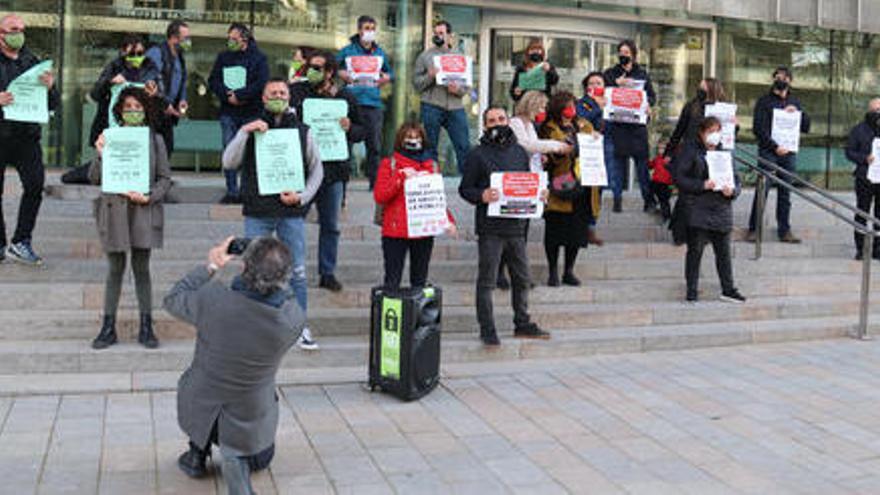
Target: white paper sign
x,y
425,205
520,194
454,68
625,105
720,169
726,113
364,70
787,129
874,168
591,150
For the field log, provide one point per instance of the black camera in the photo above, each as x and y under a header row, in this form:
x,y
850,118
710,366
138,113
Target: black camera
x,y
238,246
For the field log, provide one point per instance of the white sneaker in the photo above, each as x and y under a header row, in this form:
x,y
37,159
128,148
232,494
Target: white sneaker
x,y
305,341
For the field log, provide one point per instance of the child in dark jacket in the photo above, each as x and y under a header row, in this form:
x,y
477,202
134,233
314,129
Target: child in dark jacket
x,y
661,181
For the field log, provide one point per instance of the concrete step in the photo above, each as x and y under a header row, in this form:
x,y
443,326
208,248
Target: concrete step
x,y
75,356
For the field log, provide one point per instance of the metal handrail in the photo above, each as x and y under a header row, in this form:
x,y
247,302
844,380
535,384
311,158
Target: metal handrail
x,y
768,170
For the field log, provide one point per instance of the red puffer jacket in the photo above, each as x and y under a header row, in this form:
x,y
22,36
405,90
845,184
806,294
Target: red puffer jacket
x,y
661,173
388,191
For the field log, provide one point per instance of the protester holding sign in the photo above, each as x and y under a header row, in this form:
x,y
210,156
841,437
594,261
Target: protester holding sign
x,y
571,207
130,67
535,72
409,161
366,70
709,92
313,101
237,79
131,221
591,107
863,149
709,211
498,152
20,141
631,139
779,98
281,214
441,105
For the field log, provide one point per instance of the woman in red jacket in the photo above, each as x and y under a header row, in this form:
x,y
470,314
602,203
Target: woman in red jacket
x,y
409,159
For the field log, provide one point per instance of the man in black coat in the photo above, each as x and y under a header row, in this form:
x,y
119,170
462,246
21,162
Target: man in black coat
x,y
498,151
631,140
779,97
20,141
860,151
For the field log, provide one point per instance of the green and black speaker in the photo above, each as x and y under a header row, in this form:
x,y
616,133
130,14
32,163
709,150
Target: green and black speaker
x,y
405,341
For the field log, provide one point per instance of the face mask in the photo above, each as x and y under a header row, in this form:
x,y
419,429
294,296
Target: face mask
x,y
702,94
438,40
624,59
14,41
135,61
536,57
713,138
413,145
315,77
233,45
276,106
133,117
540,118
569,113
368,36
185,45
500,134
296,65
780,85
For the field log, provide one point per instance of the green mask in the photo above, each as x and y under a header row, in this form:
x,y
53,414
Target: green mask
x,y
233,46
315,77
14,40
133,118
135,61
296,65
185,45
276,106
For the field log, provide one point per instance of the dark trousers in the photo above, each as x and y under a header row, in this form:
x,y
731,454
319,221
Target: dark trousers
x,y
166,130
374,120
697,240
642,174
867,193
662,193
257,462
783,197
394,251
26,156
491,248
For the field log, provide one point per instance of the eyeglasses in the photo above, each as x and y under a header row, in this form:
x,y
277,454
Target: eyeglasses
x,y
138,53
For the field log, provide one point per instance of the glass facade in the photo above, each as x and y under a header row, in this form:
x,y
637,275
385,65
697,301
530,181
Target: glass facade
x,y
836,71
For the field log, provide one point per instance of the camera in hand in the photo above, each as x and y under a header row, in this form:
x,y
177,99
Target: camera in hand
x,y
238,246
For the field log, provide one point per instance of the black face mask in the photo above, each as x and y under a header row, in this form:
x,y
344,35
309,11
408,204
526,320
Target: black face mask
x,y
873,119
780,85
625,59
702,94
536,57
500,134
438,40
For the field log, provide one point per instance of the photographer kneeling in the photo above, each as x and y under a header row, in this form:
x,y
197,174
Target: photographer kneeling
x,y
227,396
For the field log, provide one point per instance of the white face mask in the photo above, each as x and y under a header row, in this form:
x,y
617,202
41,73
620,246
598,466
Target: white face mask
x,y
714,138
369,36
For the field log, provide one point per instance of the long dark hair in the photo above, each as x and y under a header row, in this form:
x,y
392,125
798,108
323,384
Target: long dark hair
x,y
151,109
558,102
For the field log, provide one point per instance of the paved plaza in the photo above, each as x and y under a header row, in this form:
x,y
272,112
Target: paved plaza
x,y
791,418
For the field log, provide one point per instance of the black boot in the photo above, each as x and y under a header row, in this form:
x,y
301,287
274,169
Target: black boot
x,y
145,335
107,336
618,205
193,462
553,277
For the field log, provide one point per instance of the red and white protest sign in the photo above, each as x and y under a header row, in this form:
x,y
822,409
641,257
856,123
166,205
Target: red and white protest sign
x,y
364,69
454,68
520,194
626,105
425,205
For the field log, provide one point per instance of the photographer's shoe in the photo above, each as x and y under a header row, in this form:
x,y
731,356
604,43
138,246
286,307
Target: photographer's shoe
x,y
22,252
330,283
305,340
193,462
107,336
146,336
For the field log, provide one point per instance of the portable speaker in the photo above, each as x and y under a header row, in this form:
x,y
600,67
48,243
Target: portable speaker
x,y
405,341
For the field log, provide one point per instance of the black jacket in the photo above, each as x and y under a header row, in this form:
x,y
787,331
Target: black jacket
x,y
762,124
709,210
686,129
858,147
630,139
257,68
9,70
481,161
269,206
338,170
101,91
551,78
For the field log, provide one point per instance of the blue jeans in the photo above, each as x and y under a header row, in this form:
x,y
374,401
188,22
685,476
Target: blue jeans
x,y
783,197
229,126
641,173
328,202
456,125
291,231
615,174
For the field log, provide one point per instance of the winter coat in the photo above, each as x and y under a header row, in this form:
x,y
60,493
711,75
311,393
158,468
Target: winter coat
x,y
251,95
429,92
859,147
367,96
661,173
551,79
123,225
630,139
762,124
709,210
101,91
560,164
9,70
527,137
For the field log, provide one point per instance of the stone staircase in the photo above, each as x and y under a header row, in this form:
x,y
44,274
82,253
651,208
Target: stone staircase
x,y
631,300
